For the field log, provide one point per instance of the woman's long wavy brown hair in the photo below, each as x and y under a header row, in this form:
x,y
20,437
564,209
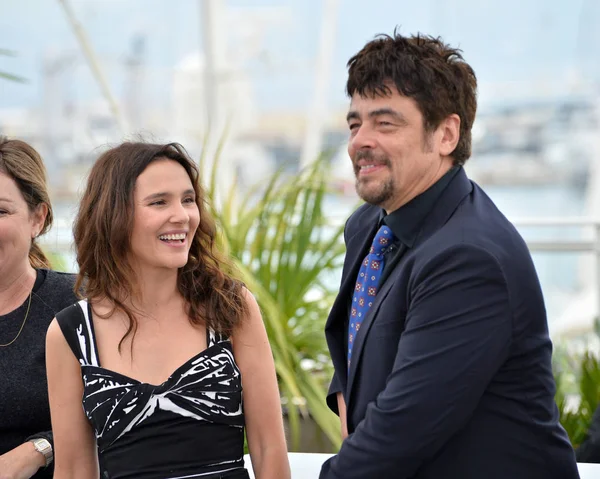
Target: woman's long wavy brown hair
x,y
21,162
102,233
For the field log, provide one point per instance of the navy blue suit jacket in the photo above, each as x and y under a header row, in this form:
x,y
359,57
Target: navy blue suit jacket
x,y
451,373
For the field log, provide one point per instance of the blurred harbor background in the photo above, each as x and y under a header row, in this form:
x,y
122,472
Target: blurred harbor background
x,y
271,73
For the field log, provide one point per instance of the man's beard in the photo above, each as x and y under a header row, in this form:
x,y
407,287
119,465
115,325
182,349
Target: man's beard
x,y
374,196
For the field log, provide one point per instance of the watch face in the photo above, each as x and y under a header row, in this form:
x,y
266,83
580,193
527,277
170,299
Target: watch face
x,y
43,447
41,443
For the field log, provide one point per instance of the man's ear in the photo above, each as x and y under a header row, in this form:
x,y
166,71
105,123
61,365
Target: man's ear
x,y
450,129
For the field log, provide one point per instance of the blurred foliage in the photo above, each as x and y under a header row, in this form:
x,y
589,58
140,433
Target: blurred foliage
x,y
57,260
577,374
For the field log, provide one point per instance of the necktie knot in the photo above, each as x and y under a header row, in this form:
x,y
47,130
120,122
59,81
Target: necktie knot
x,y
382,240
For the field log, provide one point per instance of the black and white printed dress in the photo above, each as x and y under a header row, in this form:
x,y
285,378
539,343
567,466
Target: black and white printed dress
x,y
190,426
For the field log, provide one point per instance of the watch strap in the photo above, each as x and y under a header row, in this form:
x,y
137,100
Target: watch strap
x,y
44,447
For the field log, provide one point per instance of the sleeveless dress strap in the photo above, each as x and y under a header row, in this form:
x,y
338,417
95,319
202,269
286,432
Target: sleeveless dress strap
x,y
89,328
211,337
214,338
77,328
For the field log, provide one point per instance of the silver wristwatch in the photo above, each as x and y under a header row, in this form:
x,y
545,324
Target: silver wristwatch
x,y
44,447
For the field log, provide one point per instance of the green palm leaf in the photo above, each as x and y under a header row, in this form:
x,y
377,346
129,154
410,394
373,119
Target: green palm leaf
x,y
286,254
577,377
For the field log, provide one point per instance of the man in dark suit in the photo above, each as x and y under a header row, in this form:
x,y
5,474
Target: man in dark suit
x,y
439,335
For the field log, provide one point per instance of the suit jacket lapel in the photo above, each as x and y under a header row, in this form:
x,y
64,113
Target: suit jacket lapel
x,y
336,328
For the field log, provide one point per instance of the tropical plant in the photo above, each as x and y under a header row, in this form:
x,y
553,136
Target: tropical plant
x,y
287,255
576,410
10,76
577,374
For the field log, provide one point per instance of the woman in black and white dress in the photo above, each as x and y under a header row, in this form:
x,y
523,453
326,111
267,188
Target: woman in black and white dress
x,y
165,340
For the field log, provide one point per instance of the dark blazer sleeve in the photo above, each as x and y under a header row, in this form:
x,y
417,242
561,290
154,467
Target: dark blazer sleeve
x,y
334,388
336,384
457,334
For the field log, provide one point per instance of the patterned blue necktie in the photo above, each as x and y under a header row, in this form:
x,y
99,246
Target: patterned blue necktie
x,y
367,283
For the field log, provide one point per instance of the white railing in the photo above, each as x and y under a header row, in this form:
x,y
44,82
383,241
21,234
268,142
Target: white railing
x,y
592,245
588,243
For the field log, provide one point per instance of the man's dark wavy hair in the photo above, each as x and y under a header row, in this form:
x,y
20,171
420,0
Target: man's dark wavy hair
x,y
425,69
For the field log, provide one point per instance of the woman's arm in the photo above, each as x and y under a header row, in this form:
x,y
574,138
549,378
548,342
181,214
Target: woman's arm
x,y
262,404
22,462
74,442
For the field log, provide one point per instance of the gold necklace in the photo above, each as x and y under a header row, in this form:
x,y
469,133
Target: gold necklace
x,y
22,325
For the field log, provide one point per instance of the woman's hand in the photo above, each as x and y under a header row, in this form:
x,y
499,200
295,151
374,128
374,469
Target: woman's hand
x,y
22,462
